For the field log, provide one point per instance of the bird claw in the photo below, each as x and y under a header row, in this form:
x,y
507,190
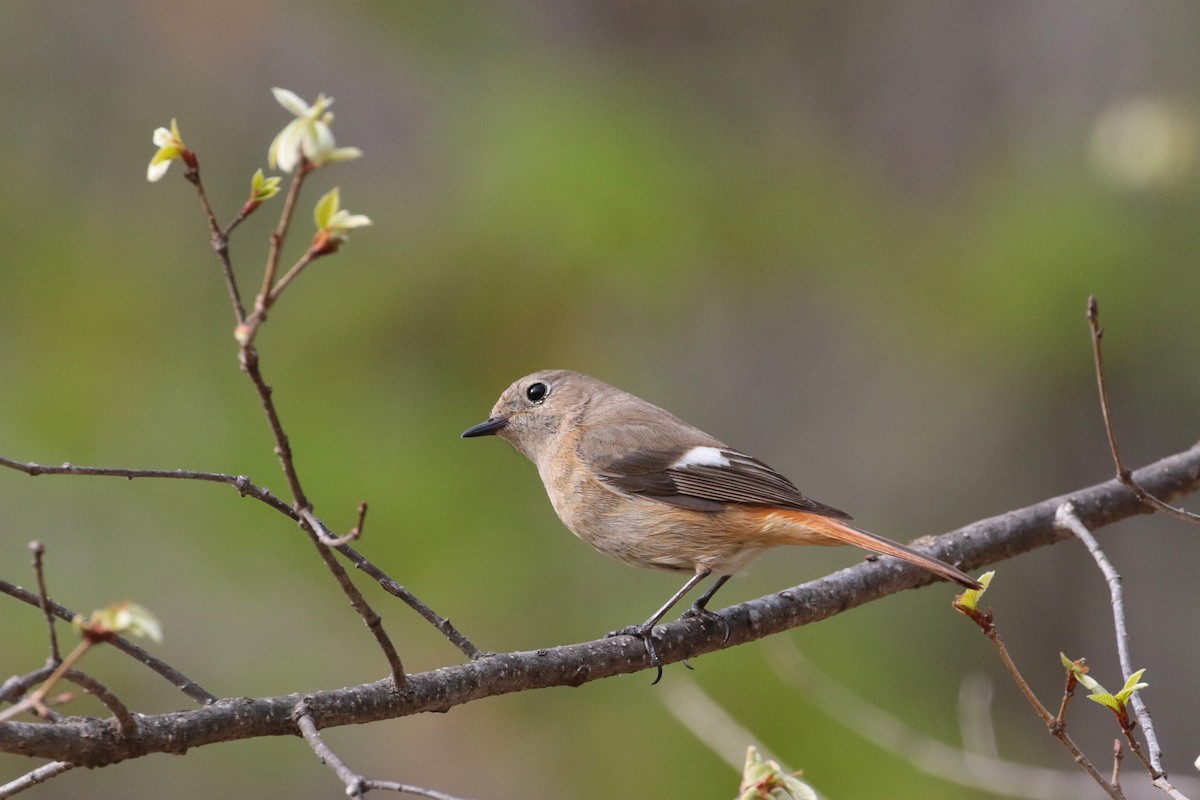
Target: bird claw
x,y
646,634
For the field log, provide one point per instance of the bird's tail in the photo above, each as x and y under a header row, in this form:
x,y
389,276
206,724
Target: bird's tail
x,y
837,532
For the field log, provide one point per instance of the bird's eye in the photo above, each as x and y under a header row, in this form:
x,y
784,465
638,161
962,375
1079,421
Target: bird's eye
x,y
537,392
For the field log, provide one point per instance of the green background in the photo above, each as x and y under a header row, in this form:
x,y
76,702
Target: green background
x,y
855,239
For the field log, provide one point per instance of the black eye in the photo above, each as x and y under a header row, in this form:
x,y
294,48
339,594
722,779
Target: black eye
x,y
537,392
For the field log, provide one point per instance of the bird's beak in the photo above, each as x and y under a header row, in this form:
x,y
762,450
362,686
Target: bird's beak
x,y
486,428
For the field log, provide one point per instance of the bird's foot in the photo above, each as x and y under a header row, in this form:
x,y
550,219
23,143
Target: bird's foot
x,y
646,634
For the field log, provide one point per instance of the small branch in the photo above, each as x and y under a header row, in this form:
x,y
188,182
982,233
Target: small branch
x,y
1058,730
33,703
220,243
309,256
248,488
39,550
18,685
126,721
392,587
373,621
278,236
1060,720
34,777
405,788
356,785
326,536
985,773
308,729
174,676
303,509
283,448
1118,754
89,743
245,487
1068,519
1123,473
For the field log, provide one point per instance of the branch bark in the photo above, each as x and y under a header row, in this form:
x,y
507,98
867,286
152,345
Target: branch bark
x,y
94,742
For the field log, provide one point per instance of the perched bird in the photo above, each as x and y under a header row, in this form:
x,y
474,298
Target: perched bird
x,y
643,486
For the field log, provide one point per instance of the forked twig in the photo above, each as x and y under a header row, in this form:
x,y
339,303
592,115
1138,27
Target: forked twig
x,y
1054,725
174,676
248,488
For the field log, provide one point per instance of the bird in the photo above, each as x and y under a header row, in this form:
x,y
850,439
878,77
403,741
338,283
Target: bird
x,y
641,485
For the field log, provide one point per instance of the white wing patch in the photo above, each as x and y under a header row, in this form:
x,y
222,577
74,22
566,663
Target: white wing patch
x,y
701,457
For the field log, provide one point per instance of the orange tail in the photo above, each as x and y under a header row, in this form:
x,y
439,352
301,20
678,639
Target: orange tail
x,y
841,533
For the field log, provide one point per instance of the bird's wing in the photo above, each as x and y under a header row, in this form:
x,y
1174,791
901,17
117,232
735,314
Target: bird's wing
x,y
704,477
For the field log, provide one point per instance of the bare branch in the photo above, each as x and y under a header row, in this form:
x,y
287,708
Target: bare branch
x,y
308,729
372,620
984,773
1054,725
39,550
404,788
392,587
1067,518
91,743
220,243
1123,473
34,777
248,488
245,487
176,678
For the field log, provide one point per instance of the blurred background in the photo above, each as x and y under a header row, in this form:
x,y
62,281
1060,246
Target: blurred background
x,y
855,239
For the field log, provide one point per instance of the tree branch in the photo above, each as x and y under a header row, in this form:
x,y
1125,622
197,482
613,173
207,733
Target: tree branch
x,y
91,742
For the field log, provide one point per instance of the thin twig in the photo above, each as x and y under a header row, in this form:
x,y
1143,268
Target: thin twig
x,y
220,244
373,621
986,773
245,487
326,537
405,788
248,357
126,721
1059,731
39,550
1060,719
1068,519
397,590
248,488
34,777
308,729
356,784
18,685
1123,473
309,256
174,676
279,235
32,703
303,508
1118,754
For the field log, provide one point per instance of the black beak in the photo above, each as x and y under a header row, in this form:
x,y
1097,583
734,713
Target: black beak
x,y
485,428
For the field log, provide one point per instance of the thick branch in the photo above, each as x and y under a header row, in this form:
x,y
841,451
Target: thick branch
x,y
92,742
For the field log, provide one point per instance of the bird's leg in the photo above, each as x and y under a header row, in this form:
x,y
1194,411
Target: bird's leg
x,y
645,631
700,610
